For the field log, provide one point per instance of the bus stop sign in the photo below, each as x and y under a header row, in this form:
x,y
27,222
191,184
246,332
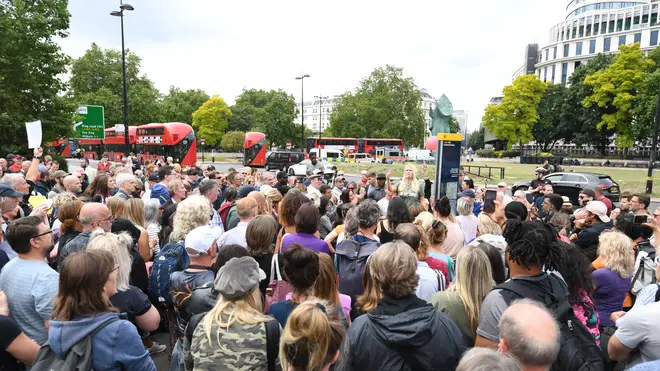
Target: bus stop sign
x,y
447,165
92,125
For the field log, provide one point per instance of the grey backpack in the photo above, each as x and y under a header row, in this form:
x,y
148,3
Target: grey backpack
x,y
79,357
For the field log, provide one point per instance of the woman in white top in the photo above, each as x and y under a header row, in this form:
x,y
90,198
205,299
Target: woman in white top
x,y
466,218
152,213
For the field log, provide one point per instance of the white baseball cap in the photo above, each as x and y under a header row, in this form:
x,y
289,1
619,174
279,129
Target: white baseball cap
x,y
200,239
501,184
599,209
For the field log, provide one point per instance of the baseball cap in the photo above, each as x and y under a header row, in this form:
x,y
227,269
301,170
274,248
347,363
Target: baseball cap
x,y
599,209
540,170
501,184
468,193
60,174
10,156
281,175
316,174
210,167
567,201
200,239
381,176
238,277
105,155
153,177
7,191
245,190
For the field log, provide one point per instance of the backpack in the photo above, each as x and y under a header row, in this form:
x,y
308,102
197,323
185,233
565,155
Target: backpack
x,y
79,357
350,259
578,350
171,258
223,211
644,267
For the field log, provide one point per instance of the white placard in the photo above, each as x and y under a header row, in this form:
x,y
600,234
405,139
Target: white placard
x,y
33,134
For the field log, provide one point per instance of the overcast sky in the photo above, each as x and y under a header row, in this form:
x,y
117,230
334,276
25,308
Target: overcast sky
x,y
466,49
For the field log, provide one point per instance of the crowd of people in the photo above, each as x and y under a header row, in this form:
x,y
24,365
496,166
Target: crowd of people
x,y
252,270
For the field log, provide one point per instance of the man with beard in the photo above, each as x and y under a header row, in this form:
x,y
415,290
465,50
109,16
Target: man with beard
x,y
377,187
29,283
282,183
58,187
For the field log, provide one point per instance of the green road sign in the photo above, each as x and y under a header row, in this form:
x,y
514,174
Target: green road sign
x,y
92,125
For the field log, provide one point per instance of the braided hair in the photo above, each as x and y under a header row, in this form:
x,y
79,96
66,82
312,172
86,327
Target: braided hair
x,y
533,243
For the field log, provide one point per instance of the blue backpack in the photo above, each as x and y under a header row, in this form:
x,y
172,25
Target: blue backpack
x,y
350,259
171,258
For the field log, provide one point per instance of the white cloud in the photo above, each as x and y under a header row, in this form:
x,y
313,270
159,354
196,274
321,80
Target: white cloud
x,y
467,50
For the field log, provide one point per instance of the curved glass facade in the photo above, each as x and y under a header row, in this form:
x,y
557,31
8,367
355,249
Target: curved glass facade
x,y
603,6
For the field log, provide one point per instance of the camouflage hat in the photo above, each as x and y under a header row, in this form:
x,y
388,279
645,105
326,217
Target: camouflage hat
x,y
238,277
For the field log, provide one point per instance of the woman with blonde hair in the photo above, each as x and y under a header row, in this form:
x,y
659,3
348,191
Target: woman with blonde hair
x,y
486,225
613,281
218,337
466,218
193,212
128,299
312,337
410,188
134,212
462,300
368,301
116,206
423,222
436,234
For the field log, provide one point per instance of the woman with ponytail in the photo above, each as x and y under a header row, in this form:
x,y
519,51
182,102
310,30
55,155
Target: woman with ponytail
x,y
532,251
455,238
312,337
71,226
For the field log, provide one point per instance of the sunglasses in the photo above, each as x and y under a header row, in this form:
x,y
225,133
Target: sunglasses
x,y
351,188
42,234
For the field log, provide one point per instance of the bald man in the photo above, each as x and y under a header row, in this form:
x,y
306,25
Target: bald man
x,y
92,216
246,208
529,333
261,202
72,184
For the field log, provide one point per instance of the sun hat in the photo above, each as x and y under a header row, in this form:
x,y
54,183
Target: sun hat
x,y
238,277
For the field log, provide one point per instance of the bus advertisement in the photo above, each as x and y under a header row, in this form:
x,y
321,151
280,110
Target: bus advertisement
x,y
254,149
345,145
160,141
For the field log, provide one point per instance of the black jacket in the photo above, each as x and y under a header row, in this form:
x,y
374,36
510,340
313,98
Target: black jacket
x,y
588,238
42,188
403,334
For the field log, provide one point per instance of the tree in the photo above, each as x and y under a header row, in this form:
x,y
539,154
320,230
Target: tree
x,y
476,139
31,64
454,126
271,112
513,119
583,121
647,99
549,128
385,105
179,105
616,87
232,141
210,120
242,118
96,78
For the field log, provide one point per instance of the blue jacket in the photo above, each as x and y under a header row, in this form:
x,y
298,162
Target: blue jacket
x,y
116,347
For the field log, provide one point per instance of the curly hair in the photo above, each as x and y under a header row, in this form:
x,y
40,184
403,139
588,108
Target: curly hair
x,y
576,271
616,250
289,207
533,243
368,214
193,212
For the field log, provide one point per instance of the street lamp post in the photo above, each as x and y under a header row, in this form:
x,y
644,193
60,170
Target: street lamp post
x,y
321,98
654,147
120,13
302,110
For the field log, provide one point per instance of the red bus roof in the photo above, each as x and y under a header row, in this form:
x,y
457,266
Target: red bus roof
x,y
168,133
252,137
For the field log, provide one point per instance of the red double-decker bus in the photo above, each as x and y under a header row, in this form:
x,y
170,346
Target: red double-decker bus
x,y
60,146
254,149
346,145
114,144
91,148
160,141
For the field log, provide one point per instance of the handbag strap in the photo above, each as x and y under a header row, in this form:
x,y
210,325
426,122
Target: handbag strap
x,y
275,268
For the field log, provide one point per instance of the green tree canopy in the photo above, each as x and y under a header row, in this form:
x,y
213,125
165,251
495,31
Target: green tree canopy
x,y
96,78
476,139
270,112
550,128
513,119
232,141
385,105
616,88
647,99
179,105
31,64
454,126
210,120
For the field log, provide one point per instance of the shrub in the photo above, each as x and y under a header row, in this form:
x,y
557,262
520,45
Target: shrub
x,y
63,164
542,154
510,154
487,153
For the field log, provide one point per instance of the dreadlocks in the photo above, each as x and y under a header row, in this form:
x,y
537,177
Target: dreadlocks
x,y
533,243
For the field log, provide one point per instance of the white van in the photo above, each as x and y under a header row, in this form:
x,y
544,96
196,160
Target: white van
x,y
420,155
360,158
330,155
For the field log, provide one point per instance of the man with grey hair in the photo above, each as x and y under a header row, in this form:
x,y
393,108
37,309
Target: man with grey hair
x,y
529,333
268,178
126,184
93,215
486,359
209,188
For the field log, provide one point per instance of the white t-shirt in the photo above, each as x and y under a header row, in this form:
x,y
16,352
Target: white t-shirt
x,y
640,329
383,203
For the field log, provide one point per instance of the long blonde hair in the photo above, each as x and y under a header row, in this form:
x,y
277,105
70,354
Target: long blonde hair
x,y
134,211
414,182
117,245
116,206
371,296
473,282
312,336
246,310
616,250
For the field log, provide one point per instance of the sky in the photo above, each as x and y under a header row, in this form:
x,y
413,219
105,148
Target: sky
x,y
467,50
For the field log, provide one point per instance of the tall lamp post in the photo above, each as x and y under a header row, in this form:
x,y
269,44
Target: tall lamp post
x,y
654,147
120,13
302,110
321,98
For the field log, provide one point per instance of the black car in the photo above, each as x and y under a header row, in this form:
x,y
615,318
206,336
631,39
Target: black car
x,y
282,160
570,184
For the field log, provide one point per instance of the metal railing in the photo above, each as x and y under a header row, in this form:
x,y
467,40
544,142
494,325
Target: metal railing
x,y
483,170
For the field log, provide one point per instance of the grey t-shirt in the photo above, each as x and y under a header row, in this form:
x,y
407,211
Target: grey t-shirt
x,y
493,307
640,329
30,287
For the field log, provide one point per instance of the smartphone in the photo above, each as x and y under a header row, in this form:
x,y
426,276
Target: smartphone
x,y
489,200
640,219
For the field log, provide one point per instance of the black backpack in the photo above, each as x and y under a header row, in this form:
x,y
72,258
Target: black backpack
x,y
578,350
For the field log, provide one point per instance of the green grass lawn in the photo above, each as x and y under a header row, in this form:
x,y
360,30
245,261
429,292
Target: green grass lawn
x,y
633,180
